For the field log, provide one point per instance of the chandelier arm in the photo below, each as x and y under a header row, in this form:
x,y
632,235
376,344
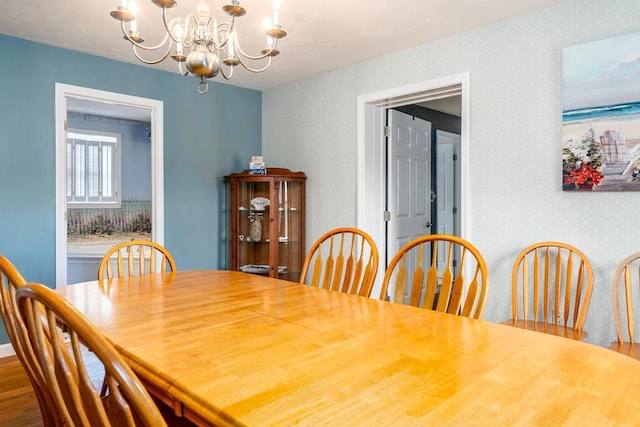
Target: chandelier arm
x,y
151,62
166,24
229,28
192,37
141,46
226,77
188,40
256,58
184,73
209,21
255,70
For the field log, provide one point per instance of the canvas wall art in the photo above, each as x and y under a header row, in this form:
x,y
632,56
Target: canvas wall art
x,y
601,115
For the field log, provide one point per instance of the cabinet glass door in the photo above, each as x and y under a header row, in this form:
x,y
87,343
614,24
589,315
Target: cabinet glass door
x,y
253,227
290,214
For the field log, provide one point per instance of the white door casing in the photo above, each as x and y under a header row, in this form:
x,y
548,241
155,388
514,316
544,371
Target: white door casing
x,y
370,152
62,92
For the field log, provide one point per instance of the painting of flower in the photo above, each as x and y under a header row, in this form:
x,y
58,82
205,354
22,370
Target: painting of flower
x,y
582,162
601,115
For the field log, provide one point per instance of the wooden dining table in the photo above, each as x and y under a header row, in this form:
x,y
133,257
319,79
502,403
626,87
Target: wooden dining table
x,y
231,348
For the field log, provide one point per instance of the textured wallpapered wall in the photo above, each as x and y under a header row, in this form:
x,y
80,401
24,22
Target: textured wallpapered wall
x,y
515,146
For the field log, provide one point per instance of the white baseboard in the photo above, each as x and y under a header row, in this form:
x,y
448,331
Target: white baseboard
x,y
6,350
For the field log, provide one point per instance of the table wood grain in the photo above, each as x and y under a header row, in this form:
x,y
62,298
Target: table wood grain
x,y
230,348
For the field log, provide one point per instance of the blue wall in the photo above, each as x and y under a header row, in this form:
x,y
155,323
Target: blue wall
x,y
205,137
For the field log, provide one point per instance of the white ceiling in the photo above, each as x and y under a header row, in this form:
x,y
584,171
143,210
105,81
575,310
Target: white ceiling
x,y
322,36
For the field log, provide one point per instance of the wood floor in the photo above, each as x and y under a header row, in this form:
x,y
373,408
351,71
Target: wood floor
x,y
18,403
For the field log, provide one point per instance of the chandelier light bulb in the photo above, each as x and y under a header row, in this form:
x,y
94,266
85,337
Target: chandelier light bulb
x,y
203,9
232,50
199,40
178,29
122,12
267,26
133,7
277,4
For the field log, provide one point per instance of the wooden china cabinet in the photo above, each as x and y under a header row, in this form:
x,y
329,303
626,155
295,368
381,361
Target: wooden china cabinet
x,y
266,222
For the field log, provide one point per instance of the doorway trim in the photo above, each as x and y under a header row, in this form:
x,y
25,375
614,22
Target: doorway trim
x,y
371,109
64,91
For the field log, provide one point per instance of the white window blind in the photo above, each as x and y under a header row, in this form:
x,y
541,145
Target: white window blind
x,y
93,168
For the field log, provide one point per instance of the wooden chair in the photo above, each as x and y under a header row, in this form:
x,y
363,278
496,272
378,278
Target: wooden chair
x,y
344,259
135,257
551,286
65,367
438,281
10,281
625,290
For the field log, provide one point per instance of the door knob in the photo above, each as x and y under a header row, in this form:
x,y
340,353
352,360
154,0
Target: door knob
x,y
428,224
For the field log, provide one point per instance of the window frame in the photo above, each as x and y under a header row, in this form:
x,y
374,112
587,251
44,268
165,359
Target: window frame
x,y
101,140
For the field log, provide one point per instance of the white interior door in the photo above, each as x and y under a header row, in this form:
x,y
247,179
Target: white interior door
x,y
447,188
409,181
447,182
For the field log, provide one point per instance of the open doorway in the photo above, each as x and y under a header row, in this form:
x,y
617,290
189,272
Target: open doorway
x,y
105,117
372,109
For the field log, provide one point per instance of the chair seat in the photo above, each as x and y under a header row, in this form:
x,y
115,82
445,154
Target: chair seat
x,y
626,348
548,328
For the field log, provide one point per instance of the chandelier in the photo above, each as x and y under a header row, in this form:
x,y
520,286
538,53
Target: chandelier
x,y
199,40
